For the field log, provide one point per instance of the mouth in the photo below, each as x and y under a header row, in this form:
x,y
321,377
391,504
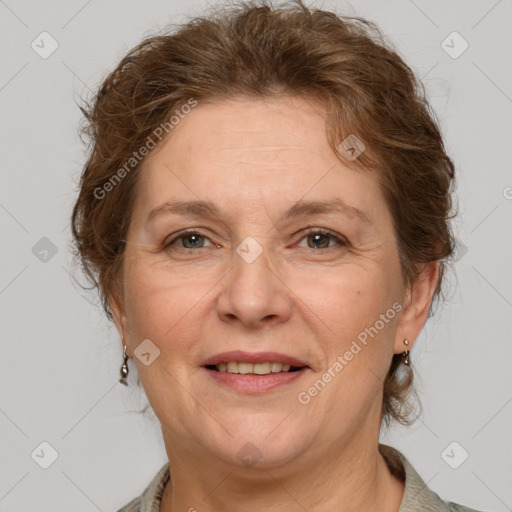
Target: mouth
x,y
254,373
241,368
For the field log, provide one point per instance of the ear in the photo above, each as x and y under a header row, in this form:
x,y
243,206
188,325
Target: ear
x,y
416,303
120,319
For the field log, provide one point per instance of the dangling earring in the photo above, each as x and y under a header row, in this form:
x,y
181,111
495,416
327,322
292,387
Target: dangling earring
x,y
124,368
405,354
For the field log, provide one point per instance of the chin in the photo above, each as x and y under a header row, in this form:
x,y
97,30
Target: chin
x,y
258,442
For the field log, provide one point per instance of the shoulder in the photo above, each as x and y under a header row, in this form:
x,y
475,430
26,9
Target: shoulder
x,y
133,506
150,499
417,496
454,507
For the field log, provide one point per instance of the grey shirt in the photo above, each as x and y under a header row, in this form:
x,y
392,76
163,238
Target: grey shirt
x,y
417,496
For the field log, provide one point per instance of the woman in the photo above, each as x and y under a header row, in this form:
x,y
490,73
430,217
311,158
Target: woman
x,y
265,214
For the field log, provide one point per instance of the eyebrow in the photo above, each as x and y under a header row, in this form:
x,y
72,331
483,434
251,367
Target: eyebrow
x,y
301,208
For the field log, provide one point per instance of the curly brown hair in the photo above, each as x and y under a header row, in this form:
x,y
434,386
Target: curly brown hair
x,y
255,49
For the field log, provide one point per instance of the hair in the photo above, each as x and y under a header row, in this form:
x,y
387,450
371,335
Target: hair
x,y
258,50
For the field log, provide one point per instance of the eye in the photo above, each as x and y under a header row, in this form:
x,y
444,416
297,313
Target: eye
x,y
316,239
320,239
190,240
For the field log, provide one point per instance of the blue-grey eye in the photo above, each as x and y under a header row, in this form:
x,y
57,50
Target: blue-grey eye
x,y
319,239
194,239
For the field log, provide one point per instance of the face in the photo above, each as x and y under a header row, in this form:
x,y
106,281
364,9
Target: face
x,y
294,260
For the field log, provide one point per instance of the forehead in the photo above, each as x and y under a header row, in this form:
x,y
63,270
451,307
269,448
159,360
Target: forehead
x,y
242,151
267,128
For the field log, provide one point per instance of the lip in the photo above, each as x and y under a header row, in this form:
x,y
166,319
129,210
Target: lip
x,y
255,384
253,357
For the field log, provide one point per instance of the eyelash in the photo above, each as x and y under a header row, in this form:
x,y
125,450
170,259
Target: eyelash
x,y
311,231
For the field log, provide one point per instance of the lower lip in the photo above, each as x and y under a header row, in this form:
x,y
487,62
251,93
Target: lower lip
x,y
255,383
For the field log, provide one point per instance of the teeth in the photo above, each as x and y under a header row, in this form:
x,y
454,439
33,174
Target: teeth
x,y
232,368
261,368
249,368
245,368
276,367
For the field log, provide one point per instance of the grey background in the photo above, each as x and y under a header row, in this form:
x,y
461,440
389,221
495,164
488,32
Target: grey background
x,y
60,358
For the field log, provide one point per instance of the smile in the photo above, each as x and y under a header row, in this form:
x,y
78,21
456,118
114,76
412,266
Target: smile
x,y
253,369
243,377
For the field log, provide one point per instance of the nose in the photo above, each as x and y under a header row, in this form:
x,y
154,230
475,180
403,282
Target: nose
x,y
254,293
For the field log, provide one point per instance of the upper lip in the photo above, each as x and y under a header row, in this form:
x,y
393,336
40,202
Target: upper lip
x,y
253,357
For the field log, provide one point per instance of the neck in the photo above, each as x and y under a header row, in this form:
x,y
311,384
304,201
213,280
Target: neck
x,y
345,478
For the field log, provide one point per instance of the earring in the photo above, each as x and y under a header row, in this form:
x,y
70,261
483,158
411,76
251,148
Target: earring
x,y
124,368
405,354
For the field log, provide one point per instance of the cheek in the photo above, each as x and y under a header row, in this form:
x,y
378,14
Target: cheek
x,y
344,311
347,299
345,315
159,306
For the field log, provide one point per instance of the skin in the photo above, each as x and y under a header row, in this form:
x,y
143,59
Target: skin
x,y
304,296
